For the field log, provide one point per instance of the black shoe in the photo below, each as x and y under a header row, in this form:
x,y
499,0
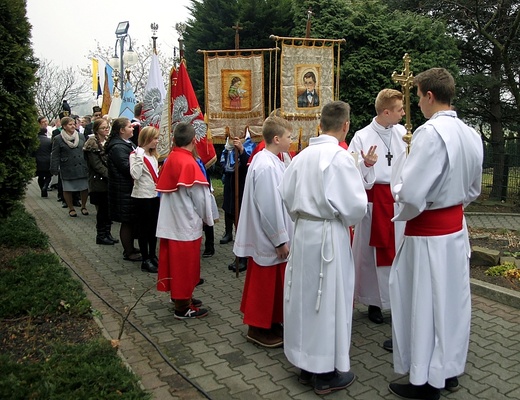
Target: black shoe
x,y
155,261
242,265
132,257
452,384
148,266
77,203
388,345
375,315
409,391
228,237
104,240
44,193
191,312
305,377
110,237
208,253
64,205
201,282
332,381
194,302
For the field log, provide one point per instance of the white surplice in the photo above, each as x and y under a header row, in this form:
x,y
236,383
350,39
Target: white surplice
x,y
183,211
264,221
324,194
371,281
429,280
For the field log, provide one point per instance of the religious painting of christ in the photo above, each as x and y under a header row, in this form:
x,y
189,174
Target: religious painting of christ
x,y
307,83
236,90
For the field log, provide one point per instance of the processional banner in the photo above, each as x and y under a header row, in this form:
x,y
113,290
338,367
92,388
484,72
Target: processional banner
x,y
234,94
182,106
306,84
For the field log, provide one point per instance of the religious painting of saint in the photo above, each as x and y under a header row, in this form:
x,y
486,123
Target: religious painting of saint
x,y
236,90
307,85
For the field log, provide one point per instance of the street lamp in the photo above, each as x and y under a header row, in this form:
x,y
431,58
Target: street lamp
x,y
128,58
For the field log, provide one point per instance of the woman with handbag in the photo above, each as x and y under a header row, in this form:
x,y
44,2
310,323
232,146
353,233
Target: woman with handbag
x,y
94,152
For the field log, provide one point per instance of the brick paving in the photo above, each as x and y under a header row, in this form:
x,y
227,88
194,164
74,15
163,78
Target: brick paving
x,y
210,358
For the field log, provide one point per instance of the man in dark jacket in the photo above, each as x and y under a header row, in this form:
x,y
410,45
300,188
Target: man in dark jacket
x,y
43,160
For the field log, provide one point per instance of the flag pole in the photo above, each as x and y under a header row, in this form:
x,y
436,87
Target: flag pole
x,y
237,28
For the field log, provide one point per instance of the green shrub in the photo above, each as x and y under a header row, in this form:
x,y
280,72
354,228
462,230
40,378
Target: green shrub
x,y
20,230
500,270
87,371
37,284
19,127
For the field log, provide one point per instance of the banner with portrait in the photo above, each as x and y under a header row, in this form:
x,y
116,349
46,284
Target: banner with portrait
x,y
234,94
307,82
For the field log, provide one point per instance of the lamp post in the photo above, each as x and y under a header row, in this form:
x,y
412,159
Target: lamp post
x,y
129,57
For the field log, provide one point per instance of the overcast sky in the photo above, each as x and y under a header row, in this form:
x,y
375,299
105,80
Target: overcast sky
x,y
66,30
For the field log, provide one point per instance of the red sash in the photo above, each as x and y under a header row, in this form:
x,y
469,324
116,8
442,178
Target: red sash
x,y
151,169
382,232
442,221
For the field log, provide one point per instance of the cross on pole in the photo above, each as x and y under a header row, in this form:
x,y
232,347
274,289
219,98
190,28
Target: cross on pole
x,y
405,78
237,28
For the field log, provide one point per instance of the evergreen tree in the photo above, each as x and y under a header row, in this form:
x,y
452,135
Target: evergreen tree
x,y
211,28
18,121
487,33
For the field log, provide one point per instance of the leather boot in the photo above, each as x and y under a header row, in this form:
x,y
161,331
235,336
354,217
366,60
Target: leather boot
x,y
228,235
101,238
109,235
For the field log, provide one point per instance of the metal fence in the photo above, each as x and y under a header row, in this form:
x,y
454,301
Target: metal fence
x,y
510,189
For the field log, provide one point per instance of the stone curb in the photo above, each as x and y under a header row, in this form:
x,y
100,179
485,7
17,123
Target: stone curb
x,y
496,293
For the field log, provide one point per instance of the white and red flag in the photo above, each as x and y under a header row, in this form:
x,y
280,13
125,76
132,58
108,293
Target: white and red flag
x,y
185,108
154,95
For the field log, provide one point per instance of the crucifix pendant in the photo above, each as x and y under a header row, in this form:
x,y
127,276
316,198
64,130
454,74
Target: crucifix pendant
x,y
389,157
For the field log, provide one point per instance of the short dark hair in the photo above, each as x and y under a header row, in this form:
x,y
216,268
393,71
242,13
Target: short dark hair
x,y
310,74
183,134
438,81
40,119
274,126
334,115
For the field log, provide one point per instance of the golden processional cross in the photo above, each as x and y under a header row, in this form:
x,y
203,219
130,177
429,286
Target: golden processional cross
x,y
405,78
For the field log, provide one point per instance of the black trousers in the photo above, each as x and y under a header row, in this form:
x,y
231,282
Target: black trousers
x,y
44,179
147,213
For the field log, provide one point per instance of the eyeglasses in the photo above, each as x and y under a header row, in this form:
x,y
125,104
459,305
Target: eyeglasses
x,y
103,128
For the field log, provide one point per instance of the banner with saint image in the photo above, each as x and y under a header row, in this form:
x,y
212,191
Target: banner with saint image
x,y
306,84
234,94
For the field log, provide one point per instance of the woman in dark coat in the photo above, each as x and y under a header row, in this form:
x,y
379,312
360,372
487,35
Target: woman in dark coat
x,y
120,183
94,151
67,159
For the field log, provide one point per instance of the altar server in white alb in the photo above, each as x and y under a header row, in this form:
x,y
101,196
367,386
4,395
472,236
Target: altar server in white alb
x,y
264,236
429,280
376,237
323,191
